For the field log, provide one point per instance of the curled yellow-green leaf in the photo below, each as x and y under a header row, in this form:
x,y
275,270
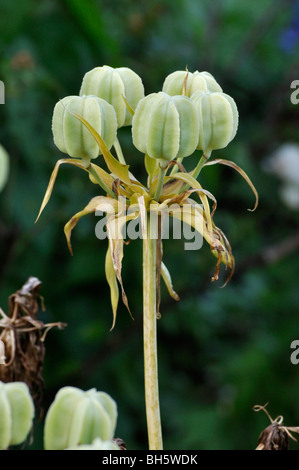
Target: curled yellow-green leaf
x,y
52,180
100,203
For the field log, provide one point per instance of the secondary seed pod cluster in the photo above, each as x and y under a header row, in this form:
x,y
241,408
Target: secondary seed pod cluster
x,y
16,413
207,119
76,417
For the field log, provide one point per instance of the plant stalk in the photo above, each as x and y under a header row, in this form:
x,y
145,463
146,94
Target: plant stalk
x,y
201,163
150,339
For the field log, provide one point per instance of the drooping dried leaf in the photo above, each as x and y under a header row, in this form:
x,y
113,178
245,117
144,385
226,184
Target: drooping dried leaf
x,y
241,172
114,227
112,281
203,194
168,282
197,218
100,203
70,161
226,257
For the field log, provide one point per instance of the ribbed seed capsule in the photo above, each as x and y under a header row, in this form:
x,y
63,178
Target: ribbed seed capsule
x,y
16,413
76,417
218,119
72,137
4,166
165,127
112,84
181,80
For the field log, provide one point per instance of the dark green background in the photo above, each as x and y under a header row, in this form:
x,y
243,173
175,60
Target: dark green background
x,y
221,351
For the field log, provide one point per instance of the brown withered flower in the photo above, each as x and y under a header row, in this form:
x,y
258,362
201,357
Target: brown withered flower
x,y
22,337
276,435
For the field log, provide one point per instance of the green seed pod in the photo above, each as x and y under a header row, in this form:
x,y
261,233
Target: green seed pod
x,y
165,127
72,137
112,84
4,167
76,417
175,83
16,413
97,444
218,119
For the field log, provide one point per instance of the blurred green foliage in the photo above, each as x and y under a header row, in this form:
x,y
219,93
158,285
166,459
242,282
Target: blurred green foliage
x,y
221,351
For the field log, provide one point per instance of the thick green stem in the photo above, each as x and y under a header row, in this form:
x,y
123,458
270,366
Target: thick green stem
x,y
150,341
205,156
